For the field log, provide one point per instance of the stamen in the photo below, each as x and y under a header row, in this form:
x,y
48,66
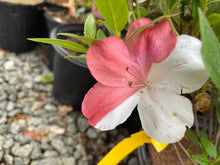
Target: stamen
x,y
128,70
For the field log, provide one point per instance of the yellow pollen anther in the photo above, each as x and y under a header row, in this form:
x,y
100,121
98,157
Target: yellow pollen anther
x,y
123,79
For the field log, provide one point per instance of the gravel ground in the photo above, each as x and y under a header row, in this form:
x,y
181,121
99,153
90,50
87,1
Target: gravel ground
x,y
35,129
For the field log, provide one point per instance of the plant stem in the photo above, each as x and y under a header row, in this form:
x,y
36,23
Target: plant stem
x,y
177,34
178,154
186,152
217,136
130,7
195,115
211,113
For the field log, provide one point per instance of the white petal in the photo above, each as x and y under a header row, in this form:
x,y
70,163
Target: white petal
x,y
183,69
119,114
164,115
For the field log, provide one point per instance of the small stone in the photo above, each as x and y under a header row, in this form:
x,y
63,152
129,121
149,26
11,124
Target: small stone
x,y
21,160
35,162
133,161
3,120
92,133
1,143
10,106
15,128
36,153
49,161
9,65
57,130
4,128
8,159
71,128
50,153
68,161
22,139
22,151
59,146
35,121
69,141
8,143
82,124
50,108
38,79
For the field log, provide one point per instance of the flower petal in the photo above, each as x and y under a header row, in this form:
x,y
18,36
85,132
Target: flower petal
x,y
164,115
137,46
184,70
161,40
108,60
107,107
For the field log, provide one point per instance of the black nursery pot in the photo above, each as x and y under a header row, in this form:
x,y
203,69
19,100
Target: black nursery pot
x,y
19,22
72,78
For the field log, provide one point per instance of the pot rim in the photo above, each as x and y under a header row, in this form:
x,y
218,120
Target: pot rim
x,y
42,3
67,28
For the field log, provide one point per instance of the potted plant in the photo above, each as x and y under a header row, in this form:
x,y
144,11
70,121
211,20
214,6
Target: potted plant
x,y
151,67
20,19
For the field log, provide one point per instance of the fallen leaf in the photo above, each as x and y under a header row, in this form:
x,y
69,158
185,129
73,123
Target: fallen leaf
x,y
36,135
203,102
37,105
17,117
64,110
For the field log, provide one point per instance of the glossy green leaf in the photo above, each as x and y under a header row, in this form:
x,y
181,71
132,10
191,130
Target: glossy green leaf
x,y
196,5
201,159
209,147
142,11
193,138
115,13
90,27
100,35
85,40
111,31
64,43
210,49
81,57
138,30
214,18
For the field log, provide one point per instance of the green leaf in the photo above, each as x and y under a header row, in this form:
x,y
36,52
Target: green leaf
x,y
48,78
138,30
171,4
90,27
107,26
213,8
115,13
216,162
203,134
209,147
142,11
214,19
100,35
85,40
196,5
64,43
201,159
193,138
81,57
210,49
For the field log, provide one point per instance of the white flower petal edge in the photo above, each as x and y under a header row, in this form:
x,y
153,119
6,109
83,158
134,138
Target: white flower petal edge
x,y
119,114
164,115
183,69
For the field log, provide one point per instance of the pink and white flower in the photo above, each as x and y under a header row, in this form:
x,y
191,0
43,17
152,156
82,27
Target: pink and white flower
x,y
150,71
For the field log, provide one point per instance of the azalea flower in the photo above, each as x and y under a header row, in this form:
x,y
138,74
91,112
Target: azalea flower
x,y
150,72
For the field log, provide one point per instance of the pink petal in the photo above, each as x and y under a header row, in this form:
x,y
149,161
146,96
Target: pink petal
x,y
108,61
106,107
164,115
161,40
137,46
184,70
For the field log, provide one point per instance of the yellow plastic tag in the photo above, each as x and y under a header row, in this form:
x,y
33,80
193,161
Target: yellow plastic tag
x,y
126,146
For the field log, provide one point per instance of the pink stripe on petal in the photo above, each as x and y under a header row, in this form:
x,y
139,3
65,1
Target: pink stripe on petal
x,y
180,64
